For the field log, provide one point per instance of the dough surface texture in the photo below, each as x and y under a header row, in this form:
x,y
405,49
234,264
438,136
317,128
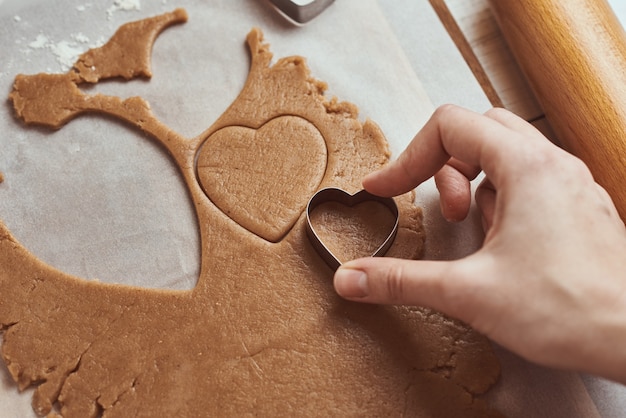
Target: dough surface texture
x,y
263,332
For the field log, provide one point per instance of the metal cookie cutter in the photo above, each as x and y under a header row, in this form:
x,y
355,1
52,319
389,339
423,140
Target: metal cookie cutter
x,y
332,194
302,11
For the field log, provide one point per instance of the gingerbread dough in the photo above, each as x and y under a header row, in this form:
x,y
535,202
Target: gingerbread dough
x,y
263,332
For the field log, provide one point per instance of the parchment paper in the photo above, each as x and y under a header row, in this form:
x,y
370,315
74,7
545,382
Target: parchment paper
x,y
98,200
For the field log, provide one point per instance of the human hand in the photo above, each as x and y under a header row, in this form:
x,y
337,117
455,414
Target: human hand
x,y
549,282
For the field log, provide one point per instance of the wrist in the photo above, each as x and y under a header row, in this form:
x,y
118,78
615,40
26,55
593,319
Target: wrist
x,y
607,354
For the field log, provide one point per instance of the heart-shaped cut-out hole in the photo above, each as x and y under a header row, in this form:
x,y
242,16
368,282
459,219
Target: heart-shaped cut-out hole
x,y
262,178
343,227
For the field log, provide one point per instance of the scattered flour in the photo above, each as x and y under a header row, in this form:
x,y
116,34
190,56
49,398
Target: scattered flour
x,y
83,7
123,5
40,42
66,52
79,37
73,147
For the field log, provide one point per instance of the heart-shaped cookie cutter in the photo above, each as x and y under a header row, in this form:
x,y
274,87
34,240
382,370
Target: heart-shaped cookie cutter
x,y
332,194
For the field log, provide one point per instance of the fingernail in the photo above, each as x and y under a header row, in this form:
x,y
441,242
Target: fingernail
x,y
351,283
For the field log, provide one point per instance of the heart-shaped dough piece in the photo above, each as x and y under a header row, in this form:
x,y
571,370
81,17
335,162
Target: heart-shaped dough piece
x,y
263,178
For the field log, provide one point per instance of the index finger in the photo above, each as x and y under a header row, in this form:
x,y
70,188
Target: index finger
x,y
452,131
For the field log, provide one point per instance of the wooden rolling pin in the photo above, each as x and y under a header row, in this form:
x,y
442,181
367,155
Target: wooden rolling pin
x,y
573,53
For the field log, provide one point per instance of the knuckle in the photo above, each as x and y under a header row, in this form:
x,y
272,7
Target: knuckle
x,y
579,168
394,283
445,111
406,163
560,165
537,162
494,112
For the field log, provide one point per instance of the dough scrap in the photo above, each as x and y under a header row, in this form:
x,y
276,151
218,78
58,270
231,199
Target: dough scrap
x,y
263,332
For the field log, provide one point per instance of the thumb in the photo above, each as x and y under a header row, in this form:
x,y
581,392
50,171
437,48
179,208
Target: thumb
x,y
388,280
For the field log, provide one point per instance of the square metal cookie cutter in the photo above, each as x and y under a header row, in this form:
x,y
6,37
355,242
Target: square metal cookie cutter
x,y
302,11
332,194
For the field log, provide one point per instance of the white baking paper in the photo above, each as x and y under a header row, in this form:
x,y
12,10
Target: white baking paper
x,y
99,200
